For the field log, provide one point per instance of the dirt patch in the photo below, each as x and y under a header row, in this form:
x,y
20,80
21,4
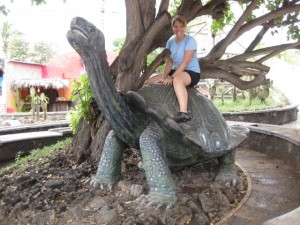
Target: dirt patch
x,y
58,192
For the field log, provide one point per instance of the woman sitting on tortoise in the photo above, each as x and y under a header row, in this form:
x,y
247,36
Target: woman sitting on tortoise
x,y
182,68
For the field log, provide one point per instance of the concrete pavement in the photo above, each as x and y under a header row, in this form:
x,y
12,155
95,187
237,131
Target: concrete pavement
x,y
275,190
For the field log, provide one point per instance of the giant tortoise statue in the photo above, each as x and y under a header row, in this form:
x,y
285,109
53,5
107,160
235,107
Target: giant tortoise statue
x,y
143,120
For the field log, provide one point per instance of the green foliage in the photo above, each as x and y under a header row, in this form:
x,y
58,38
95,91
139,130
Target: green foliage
x,y
38,156
19,49
275,100
42,52
7,34
291,57
118,44
293,32
83,95
219,24
273,4
38,2
293,29
174,6
3,10
152,56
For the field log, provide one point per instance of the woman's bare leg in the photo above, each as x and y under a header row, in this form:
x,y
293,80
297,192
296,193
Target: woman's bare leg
x,y
180,82
153,79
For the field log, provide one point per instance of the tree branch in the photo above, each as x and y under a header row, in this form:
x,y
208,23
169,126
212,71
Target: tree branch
x,y
264,51
163,7
257,39
238,68
145,43
221,47
236,81
134,25
267,17
134,54
150,70
147,9
281,48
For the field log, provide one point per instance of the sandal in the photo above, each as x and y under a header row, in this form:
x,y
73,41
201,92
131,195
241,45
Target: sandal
x,y
182,117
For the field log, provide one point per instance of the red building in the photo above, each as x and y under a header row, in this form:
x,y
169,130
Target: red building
x,y
53,79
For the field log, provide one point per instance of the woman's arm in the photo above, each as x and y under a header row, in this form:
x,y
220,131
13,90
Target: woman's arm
x,y
168,67
166,79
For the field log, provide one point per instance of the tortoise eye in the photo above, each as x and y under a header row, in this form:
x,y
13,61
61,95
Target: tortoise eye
x,y
91,29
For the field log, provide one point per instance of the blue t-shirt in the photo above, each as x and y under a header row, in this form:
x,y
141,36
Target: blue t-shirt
x,y
177,52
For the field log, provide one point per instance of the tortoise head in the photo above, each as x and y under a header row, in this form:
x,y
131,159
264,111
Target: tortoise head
x,y
85,37
89,42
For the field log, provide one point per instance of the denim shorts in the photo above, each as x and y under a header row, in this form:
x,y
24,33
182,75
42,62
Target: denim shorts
x,y
195,77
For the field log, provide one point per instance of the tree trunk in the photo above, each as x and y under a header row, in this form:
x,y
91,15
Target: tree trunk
x,y
88,140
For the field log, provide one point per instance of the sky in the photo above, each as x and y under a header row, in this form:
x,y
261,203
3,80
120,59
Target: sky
x,y
50,23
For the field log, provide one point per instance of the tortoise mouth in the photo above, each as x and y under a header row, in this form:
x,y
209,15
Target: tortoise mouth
x,y
78,38
78,32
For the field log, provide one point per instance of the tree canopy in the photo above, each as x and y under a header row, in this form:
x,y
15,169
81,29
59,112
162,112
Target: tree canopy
x,y
147,30
16,48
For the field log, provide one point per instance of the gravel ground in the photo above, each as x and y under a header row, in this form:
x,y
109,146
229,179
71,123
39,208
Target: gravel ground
x,y
58,192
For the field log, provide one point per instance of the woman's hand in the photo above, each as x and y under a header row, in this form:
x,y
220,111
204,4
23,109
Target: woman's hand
x,y
166,81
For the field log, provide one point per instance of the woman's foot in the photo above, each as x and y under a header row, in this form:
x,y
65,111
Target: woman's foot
x,y
182,117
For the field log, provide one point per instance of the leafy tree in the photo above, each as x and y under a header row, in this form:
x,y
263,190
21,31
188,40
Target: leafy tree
x,y
19,49
118,44
7,34
41,53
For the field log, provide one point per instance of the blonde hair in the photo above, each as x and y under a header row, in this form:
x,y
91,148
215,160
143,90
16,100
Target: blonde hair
x,y
180,19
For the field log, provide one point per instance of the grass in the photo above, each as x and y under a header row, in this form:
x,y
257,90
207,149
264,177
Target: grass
x,y
37,156
275,100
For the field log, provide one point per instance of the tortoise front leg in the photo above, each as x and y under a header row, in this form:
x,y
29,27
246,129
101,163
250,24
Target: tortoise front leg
x,y
109,168
158,175
227,172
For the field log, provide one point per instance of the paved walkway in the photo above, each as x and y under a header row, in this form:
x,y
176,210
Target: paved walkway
x,y
275,189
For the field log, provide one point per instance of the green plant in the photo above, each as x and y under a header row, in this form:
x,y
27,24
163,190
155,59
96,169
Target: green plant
x,y
37,156
44,103
152,56
218,24
275,100
83,96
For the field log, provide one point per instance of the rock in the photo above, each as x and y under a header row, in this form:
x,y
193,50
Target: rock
x,y
99,202
76,213
107,217
213,200
47,217
124,185
136,190
200,218
54,183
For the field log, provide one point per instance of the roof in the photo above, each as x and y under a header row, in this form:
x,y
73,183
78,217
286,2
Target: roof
x,y
45,83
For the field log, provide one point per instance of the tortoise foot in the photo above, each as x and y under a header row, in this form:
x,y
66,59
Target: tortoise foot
x,y
101,183
228,176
